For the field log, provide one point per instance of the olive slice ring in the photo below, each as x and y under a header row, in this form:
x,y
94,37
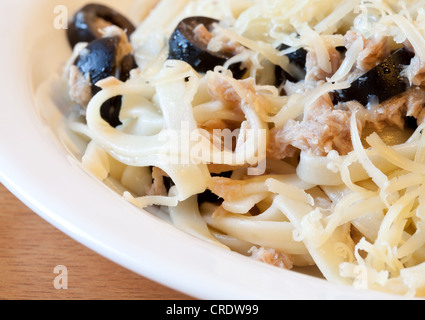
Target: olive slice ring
x,y
184,45
85,24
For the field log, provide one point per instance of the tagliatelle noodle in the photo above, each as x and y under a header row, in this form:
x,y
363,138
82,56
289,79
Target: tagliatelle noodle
x,y
270,234
349,61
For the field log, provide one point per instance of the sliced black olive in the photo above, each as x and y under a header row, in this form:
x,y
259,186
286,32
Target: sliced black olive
x,y
411,123
168,183
281,76
98,61
383,82
110,111
297,58
85,25
128,63
208,196
186,46
341,49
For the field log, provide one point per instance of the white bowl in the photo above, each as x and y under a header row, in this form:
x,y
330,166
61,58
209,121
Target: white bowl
x,y
38,169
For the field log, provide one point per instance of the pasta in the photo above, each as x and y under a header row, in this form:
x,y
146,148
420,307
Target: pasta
x,y
299,178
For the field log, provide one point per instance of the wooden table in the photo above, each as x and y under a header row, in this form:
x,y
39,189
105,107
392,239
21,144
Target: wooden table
x,y
30,249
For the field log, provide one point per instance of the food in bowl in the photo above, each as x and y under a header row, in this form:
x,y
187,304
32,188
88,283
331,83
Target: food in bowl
x,y
287,131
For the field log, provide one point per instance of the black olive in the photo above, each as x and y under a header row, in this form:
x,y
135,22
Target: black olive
x,y
168,183
281,76
208,196
297,58
128,63
341,49
84,26
185,46
110,111
411,123
383,82
98,61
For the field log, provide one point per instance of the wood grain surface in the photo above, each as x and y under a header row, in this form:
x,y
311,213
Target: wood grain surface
x,y
30,249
